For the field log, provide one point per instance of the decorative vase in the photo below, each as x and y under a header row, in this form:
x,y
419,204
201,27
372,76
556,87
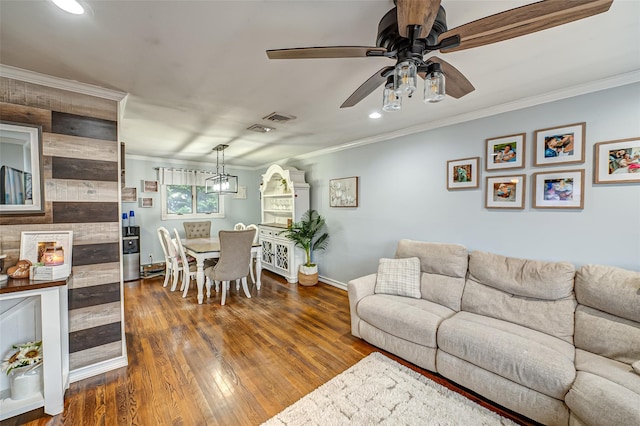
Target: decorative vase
x,y
25,381
308,275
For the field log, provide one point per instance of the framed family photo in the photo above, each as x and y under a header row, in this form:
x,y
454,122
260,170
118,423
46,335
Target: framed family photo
x,y
343,192
505,152
558,190
559,145
617,161
505,192
47,247
463,173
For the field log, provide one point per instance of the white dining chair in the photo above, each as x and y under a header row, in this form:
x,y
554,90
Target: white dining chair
x,y
251,260
187,269
239,226
235,253
172,268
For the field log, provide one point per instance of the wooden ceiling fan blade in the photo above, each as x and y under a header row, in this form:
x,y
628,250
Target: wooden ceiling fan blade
x,y
523,20
380,77
456,84
326,52
417,12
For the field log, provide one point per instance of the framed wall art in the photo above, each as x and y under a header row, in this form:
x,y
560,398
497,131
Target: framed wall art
x,y
145,202
343,192
617,161
562,189
50,248
559,145
149,186
129,195
505,152
463,173
505,192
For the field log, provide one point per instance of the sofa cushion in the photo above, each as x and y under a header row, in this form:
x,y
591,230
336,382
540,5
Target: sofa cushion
x,y
609,289
525,356
522,277
444,268
614,371
400,277
601,402
415,320
607,335
554,317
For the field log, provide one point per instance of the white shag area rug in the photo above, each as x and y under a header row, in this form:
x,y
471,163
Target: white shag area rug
x,y
380,391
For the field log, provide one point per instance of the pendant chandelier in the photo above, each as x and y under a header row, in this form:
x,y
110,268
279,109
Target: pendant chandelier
x,y
221,183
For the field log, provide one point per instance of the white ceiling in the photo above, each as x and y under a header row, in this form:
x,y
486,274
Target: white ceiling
x,y
197,73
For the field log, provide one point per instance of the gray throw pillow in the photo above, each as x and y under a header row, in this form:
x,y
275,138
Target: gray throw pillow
x,y
400,277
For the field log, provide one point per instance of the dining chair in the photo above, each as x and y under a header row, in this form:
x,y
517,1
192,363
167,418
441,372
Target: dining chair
x,y
255,240
197,229
239,226
187,269
170,258
235,254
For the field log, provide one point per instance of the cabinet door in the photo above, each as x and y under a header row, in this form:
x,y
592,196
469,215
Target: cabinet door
x,y
267,251
282,256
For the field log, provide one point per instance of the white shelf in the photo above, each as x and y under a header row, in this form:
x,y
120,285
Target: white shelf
x,y
287,212
285,195
12,407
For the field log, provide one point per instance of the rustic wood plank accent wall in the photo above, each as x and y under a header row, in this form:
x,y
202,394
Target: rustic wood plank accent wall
x,y
80,147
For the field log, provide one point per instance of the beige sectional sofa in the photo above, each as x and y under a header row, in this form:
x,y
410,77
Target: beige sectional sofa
x,y
508,329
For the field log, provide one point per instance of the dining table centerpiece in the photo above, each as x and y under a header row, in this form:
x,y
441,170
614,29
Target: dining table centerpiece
x,y
24,368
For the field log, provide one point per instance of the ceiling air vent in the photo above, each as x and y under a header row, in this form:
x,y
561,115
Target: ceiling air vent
x,y
279,117
259,128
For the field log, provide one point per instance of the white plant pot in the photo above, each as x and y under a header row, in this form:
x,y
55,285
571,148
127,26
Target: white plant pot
x,y
25,382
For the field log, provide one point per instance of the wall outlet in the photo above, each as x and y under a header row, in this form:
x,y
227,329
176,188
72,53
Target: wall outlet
x,y
150,258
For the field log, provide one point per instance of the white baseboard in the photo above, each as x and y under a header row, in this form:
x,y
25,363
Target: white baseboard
x,y
334,283
99,368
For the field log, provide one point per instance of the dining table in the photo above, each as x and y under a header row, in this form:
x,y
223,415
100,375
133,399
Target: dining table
x,y
209,248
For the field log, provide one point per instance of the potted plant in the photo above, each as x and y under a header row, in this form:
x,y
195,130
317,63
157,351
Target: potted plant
x,y
307,234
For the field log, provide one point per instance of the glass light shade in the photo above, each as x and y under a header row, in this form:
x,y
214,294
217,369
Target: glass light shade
x,y
405,77
391,99
222,183
71,6
434,89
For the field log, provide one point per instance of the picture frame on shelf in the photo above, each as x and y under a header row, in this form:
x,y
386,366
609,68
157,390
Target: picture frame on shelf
x,y
129,195
505,152
50,253
617,161
562,189
149,186
463,173
560,145
145,202
505,192
343,192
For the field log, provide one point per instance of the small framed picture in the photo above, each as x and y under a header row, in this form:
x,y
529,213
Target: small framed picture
x,y
505,152
149,186
129,195
559,145
558,190
49,248
505,192
145,202
343,192
617,161
241,194
463,173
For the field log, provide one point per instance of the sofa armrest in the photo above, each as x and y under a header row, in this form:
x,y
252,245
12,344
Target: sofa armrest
x,y
358,289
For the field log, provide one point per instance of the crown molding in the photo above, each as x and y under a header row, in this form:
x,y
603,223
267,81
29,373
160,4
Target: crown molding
x,y
175,161
569,92
60,83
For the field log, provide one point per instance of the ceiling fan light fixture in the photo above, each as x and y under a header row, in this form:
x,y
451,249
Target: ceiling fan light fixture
x,y
434,84
405,77
70,6
391,99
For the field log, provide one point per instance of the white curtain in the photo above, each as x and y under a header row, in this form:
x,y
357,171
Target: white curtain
x,y
170,176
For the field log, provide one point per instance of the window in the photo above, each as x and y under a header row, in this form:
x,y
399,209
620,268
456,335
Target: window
x,y
190,202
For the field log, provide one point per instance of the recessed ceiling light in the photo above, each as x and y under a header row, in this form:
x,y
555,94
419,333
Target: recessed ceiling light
x,y
375,114
71,6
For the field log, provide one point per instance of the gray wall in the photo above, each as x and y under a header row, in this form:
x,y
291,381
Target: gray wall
x,y
403,193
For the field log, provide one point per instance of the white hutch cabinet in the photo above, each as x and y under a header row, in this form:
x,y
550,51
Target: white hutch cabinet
x,y
284,198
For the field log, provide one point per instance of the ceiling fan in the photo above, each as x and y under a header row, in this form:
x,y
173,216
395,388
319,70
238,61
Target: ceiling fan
x,y
414,28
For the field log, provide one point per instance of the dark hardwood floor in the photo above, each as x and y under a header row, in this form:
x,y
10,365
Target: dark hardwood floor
x,y
237,364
